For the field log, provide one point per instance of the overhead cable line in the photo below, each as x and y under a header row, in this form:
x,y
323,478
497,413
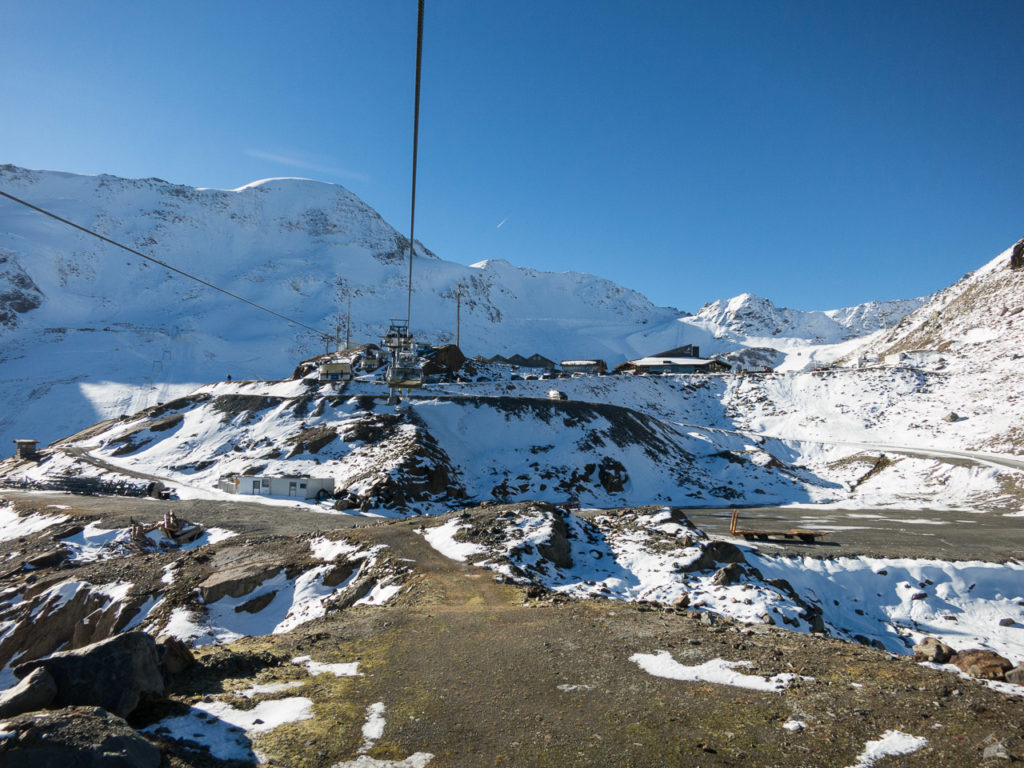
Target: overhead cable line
x,y
165,265
415,143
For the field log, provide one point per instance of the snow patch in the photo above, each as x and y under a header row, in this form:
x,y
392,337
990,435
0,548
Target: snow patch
x,y
891,743
718,671
344,669
442,538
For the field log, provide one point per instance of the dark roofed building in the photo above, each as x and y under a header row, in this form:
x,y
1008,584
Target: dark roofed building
x,y
584,366
533,361
687,350
539,361
660,364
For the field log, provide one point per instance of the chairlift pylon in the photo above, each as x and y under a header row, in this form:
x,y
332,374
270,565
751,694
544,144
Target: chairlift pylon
x,y
404,371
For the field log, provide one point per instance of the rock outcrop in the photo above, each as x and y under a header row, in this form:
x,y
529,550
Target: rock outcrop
x,y
64,613
76,737
114,674
36,691
987,665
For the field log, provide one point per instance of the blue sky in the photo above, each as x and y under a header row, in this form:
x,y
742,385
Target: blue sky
x,y
820,154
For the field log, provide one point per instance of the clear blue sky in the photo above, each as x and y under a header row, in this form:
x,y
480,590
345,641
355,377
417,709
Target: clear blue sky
x,y
820,154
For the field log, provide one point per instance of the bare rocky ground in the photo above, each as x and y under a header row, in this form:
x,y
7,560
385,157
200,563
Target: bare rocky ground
x,y
481,673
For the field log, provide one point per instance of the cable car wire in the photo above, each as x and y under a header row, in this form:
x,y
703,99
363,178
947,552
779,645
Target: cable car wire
x,y
165,265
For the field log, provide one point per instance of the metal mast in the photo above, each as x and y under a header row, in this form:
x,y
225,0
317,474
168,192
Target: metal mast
x,y
415,145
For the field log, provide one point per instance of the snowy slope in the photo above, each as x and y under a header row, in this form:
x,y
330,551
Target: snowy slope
x,y
862,437
88,331
75,311
436,452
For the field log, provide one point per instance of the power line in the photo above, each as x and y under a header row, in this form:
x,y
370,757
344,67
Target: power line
x,y
163,264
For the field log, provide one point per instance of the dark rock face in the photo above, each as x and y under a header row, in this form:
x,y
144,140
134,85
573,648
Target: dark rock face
x,y
76,737
114,674
338,573
18,292
557,548
175,657
237,571
57,622
48,559
612,475
1017,255
245,407
312,440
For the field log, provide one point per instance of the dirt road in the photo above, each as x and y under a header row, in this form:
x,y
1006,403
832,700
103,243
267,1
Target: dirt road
x,y
922,533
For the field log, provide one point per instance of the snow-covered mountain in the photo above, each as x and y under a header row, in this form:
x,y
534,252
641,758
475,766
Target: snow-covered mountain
x,y
748,317
88,331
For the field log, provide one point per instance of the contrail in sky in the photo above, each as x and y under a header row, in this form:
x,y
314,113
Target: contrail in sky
x,y
501,223
298,162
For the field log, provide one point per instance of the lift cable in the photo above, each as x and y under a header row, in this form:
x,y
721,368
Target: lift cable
x,y
166,265
415,143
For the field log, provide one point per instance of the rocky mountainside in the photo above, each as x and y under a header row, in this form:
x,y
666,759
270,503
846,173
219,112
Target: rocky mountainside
x,y
968,339
975,324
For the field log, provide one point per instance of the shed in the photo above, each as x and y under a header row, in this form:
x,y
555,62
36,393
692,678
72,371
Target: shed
x,y
26,450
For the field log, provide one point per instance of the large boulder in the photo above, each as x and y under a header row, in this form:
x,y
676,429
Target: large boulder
x,y
1016,675
713,553
987,665
77,737
175,657
729,574
930,649
114,674
36,691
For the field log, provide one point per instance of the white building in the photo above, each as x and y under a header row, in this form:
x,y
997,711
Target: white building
x,y
917,358
299,486
337,371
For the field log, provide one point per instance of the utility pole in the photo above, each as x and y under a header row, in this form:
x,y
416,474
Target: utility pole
x,y
348,324
458,313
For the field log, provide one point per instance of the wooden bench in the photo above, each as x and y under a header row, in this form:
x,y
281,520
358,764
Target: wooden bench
x,y
793,533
